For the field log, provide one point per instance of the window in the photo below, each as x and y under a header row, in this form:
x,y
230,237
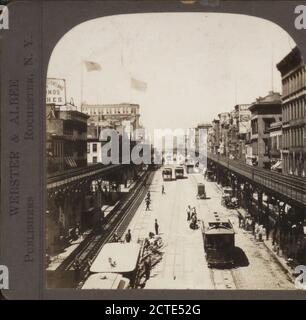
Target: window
x,y
94,147
94,159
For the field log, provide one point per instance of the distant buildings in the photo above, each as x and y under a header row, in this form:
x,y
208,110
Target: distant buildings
x,y
293,73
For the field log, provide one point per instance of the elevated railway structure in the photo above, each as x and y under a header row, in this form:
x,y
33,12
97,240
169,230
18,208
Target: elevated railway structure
x,y
289,189
76,198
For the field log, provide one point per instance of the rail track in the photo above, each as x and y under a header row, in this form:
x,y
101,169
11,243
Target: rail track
x,y
222,279
117,221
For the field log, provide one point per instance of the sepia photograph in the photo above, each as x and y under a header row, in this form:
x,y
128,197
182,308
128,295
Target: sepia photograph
x,y
175,154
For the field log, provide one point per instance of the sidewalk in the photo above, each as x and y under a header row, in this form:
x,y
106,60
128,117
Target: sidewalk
x,y
56,260
281,260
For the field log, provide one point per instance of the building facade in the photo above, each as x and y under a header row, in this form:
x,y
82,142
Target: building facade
x,y
66,138
112,116
243,123
264,112
293,72
201,132
275,146
224,124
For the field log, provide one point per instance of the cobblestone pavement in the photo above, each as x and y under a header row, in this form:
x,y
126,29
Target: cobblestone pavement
x,y
183,265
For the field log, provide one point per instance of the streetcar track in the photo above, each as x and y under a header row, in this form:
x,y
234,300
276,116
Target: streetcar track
x,y
221,278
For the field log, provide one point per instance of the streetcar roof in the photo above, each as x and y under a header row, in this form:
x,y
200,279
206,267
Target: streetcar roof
x,y
117,257
219,231
217,224
105,281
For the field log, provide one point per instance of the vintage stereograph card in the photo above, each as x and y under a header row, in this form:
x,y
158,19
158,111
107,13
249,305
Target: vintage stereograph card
x,y
153,149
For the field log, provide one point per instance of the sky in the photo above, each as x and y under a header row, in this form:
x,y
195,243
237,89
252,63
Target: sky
x,y
196,65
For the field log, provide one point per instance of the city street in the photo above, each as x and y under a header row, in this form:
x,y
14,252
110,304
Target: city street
x,y
183,264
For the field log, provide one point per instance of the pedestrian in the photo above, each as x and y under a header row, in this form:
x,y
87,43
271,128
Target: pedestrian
x,y
240,219
194,212
149,195
156,226
147,268
77,271
148,204
128,236
163,189
115,237
188,213
253,226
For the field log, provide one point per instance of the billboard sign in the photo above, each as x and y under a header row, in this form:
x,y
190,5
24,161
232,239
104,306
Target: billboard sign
x,y
56,91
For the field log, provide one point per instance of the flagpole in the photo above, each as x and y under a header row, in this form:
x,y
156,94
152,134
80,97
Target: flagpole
x,y
82,84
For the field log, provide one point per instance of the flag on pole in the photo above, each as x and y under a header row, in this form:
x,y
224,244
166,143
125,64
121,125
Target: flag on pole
x,y
92,66
138,85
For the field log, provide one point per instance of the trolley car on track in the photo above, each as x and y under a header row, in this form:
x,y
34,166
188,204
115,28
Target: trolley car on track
x,y
167,174
219,240
179,173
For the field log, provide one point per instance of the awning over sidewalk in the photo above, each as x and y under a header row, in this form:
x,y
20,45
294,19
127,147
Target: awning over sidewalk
x,y
70,162
277,165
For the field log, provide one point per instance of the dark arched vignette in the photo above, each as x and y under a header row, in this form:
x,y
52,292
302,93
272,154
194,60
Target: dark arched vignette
x,y
49,21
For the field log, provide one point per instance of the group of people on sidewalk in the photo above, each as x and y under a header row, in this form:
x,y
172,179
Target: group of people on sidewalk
x,y
249,224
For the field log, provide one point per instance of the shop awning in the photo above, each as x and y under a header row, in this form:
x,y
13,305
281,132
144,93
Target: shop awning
x,y
70,162
277,165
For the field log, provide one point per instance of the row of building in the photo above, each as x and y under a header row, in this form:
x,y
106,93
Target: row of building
x,y
73,136
270,132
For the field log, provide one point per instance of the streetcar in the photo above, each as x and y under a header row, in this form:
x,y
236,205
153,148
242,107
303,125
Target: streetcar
x,y
179,173
219,240
118,258
189,167
201,191
167,174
